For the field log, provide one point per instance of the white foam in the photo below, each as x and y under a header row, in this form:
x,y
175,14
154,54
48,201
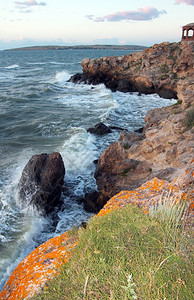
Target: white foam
x,y
78,151
62,76
15,66
56,63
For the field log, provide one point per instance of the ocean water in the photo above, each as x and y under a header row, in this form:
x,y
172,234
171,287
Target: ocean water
x,y
41,112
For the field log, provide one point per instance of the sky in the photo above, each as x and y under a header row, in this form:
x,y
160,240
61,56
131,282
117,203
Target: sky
x,y
86,22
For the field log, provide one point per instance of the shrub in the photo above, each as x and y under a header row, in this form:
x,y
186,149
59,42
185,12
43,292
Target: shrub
x,y
189,121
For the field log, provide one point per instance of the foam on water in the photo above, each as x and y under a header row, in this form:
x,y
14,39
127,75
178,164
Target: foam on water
x,y
11,67
62,77
78,151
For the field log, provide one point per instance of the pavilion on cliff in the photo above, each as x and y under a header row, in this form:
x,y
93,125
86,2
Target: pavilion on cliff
x,y
188,32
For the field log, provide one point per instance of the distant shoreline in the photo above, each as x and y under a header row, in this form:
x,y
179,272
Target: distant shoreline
x,y
81,47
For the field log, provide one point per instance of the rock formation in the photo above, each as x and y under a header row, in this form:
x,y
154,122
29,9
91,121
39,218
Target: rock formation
x,y
166,143
162,150
42,181
166,69
99,129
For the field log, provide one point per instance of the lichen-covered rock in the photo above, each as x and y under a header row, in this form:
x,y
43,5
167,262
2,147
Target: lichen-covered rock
x,y
37,268
32,274
42,181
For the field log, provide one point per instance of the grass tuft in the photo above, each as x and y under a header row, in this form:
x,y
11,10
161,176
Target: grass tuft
x,y
189,121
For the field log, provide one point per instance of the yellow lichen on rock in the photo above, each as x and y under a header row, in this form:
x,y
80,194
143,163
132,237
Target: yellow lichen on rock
x,y
38,267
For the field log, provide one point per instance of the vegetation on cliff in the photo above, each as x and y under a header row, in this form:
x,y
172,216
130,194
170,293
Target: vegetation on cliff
x,y
127,254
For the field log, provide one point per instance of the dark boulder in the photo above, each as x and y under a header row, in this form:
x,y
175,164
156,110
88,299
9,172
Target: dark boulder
x,y
99,129
42,181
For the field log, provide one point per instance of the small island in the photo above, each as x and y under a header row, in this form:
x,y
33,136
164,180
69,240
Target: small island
x,y
81,47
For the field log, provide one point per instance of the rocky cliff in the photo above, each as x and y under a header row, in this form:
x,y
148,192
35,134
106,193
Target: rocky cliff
x,y
166,69
167,142
163,150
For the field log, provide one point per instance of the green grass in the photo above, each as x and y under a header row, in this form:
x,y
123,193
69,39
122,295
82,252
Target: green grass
x,y
123,255
189,121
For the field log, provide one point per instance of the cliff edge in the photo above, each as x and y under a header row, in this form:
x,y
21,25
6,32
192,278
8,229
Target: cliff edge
x,y
165,69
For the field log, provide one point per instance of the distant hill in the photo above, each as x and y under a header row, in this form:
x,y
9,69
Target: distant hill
x,y
80,47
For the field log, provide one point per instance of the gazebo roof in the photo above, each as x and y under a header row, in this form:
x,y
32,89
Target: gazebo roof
x,y
190,24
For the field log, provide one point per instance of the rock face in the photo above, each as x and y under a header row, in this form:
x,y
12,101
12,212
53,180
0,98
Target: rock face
x,y
165,69
165,144
42,181
163,150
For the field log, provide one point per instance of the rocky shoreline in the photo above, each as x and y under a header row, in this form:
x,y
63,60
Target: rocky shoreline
x,y
165,146
140,166
161,149
165,69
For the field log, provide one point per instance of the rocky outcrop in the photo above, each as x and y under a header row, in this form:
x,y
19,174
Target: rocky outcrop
x,y
165,69
99,129
42,181
163,150
165,144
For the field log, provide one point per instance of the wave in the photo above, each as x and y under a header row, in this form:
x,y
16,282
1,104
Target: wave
x,y
6,77
79,150
15,66
62,76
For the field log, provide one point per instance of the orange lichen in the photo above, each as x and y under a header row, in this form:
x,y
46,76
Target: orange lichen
x,y
39,266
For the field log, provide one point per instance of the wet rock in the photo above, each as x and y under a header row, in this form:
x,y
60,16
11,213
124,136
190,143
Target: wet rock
x,y
42,181
90,202
99,129
118,128
139,130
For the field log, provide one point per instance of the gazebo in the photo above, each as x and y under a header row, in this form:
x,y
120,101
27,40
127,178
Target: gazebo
x,y
188,32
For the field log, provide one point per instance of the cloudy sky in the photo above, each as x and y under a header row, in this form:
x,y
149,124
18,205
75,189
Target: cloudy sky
x,y
61,22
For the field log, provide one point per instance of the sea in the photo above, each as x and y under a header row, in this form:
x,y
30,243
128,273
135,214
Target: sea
x,y
41,112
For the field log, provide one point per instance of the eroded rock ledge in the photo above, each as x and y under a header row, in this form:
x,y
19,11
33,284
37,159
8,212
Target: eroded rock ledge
x,y
165,69
163,150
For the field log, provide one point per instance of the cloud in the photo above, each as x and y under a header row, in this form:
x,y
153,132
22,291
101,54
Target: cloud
x,y
28,3
188,2
142,14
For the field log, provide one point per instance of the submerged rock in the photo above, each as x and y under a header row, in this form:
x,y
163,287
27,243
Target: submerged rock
x,y
41,182
99,129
